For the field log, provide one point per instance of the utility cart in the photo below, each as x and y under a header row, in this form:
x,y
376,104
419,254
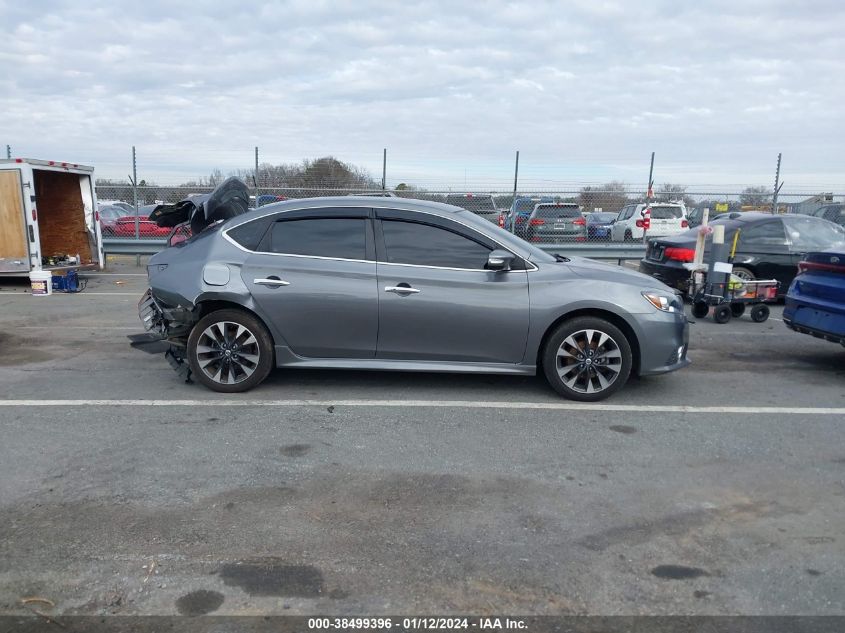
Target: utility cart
x,y
731,298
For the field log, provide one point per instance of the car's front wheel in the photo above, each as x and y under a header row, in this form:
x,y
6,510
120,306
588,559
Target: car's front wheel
x,y
230,351
587,359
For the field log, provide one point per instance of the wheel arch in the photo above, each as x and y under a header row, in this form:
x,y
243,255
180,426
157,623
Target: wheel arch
x,y
206,306
607,315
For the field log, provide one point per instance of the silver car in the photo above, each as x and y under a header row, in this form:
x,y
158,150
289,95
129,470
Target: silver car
x,y
365,283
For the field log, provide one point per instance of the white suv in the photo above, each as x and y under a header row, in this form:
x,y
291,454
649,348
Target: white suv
x,y
667,218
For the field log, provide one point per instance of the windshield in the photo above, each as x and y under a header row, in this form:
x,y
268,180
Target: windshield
x,y
808,233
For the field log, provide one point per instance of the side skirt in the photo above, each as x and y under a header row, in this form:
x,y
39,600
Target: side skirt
x,y
286,358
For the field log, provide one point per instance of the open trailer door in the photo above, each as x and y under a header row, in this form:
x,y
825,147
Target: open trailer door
x,y
14,245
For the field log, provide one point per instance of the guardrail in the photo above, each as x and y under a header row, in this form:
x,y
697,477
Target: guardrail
x,y
614,251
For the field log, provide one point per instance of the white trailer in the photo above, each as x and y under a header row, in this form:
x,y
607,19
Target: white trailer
x,y
48,217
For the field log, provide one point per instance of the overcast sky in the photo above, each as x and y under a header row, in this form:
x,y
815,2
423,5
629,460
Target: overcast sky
x,y
585,89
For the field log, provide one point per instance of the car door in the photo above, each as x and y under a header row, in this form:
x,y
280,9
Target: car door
x,y
763,246
436,300
315,277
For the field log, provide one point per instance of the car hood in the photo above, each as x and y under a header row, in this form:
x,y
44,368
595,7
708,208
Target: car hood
x,y
593,269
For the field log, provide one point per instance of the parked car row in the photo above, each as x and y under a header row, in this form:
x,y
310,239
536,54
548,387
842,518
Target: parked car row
x,y
768,247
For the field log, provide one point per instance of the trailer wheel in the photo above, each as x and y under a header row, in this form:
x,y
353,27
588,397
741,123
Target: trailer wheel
x,y
700,309
737,310
759,313
722,313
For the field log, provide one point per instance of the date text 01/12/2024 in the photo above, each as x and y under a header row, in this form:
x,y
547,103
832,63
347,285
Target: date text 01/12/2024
x,y
416,623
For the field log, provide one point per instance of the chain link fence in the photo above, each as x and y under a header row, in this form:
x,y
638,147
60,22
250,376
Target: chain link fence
x,y
587,214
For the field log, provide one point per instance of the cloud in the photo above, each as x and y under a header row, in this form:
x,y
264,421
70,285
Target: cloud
x,y
713,87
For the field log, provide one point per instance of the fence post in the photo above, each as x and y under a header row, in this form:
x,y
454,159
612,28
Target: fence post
x,y
384,171
515,182
649,194
255,179
135,202
778,185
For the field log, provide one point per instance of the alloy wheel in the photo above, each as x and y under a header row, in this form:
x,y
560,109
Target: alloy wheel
x,y
227,352
589,361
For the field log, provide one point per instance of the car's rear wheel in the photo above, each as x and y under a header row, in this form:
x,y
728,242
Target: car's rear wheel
x,y
230,351
587,359
629,237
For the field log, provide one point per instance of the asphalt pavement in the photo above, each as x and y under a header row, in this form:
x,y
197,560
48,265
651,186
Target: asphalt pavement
x,y
719,489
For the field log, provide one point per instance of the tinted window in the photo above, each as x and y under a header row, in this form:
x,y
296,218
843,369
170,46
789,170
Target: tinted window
x,y
665,213
765,234
249,235
557,212
322,237
808,234
424,245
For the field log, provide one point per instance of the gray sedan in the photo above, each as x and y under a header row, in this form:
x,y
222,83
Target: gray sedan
x,y
365,283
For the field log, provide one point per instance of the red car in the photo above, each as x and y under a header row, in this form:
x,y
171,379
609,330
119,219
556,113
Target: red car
x,y
125,226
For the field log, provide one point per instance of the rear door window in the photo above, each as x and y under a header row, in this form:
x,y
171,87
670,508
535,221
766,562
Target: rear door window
x,y
343,238
426,245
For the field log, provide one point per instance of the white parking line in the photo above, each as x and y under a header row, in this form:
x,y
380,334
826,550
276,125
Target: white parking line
x,y
93,326
83,293
460,404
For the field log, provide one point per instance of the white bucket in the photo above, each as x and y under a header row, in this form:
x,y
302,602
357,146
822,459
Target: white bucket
x,y
41,282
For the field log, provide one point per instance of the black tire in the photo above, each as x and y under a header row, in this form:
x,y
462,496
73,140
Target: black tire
x,y
589,374
722,313
746,274
737,310
232,356
759,313
629,237
700,309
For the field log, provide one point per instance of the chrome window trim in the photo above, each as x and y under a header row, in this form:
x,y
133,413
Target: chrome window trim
x,y
374,261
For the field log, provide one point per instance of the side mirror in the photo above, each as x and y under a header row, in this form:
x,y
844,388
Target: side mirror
x,y
499,260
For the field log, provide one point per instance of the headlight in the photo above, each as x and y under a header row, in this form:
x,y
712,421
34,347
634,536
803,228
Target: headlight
x,y
664,302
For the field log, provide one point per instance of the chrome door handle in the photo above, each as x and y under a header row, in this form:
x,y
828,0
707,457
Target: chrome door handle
x,y
270,282
400,290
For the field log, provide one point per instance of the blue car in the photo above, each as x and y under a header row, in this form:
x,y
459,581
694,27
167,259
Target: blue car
x,y
599,224
517,219
815,303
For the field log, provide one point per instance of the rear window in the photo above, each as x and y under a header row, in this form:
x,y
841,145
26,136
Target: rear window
x,y
602,217
666,213
472,202
557,212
